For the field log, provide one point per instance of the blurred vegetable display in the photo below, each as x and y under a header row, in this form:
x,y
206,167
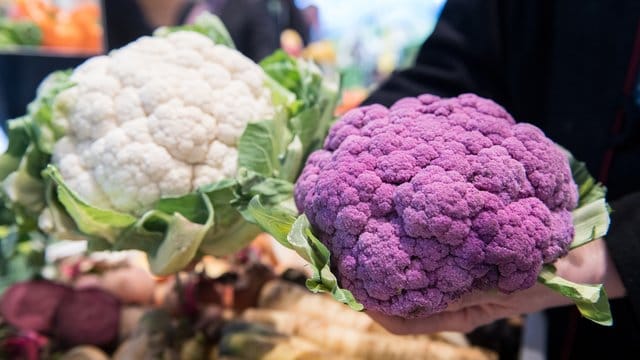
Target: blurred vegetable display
x,y
237,308
49,26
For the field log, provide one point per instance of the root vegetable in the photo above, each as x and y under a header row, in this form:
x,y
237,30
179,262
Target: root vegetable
x,y
88,317
85,353
129,318
341,339
32,305
281,295
245,345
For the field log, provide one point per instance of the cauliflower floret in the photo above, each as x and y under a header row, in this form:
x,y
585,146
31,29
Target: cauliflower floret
x,y
156,118
72,166
433,198
219,164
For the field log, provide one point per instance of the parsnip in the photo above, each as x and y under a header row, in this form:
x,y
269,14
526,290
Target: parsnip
x,y
85,353
282,295
248,345
360,344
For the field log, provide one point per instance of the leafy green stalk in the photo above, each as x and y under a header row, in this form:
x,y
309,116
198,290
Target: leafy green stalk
x,y
591,300
295,233
206,24
591,221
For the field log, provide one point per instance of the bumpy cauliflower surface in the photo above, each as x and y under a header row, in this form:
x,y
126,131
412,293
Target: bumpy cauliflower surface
x,y
433,198
156,118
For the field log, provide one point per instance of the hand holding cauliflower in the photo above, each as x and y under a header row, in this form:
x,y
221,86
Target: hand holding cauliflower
x,y
435,197
414,206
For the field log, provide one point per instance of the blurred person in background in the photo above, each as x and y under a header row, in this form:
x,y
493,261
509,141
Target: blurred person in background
x,y
251,26
311,14
570,68
287,15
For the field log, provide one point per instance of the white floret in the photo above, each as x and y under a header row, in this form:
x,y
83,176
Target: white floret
x,y
68,157
185,131
157,118
92,116
219,164
128,106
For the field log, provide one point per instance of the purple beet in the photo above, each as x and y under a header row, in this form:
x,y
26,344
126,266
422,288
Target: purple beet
x,y
88,316
32,305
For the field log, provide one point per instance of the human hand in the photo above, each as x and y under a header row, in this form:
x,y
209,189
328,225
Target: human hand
x,y
588,264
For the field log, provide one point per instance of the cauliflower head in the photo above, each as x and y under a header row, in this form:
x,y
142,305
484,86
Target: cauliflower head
x,y
433,198
157,118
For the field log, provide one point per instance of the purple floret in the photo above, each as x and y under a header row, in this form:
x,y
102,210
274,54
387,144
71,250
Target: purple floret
x,y
433,198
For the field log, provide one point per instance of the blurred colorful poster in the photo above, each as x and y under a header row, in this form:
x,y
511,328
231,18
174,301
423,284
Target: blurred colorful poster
x,y
52,27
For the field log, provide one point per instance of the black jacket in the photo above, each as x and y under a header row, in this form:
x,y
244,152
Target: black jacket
x,y
569,67
251,26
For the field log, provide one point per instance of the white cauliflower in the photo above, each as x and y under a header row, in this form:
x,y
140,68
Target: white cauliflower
x,y
157,118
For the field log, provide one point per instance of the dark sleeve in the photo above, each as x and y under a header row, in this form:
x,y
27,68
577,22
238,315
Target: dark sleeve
x,y
623,242
463,54
260,32
125,22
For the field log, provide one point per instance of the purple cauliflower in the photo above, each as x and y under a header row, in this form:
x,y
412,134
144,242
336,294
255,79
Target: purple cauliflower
x,y
433,198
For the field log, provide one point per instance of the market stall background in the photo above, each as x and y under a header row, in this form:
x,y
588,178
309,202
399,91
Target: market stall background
x,y
367,39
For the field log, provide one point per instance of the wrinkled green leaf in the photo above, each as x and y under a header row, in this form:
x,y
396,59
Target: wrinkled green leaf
x,y
25,190
281,96
258,149
230,232
311,114
591,221
306,244
276,221
223,241
55,220
170,239
591,300
21,256
270,190
19,141
181,242
44,133
591,217
285,71
294,160
296,234
104,223
206,24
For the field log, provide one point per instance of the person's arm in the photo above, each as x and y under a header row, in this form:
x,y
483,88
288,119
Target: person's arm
x,y
463,54
588,264
623,243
